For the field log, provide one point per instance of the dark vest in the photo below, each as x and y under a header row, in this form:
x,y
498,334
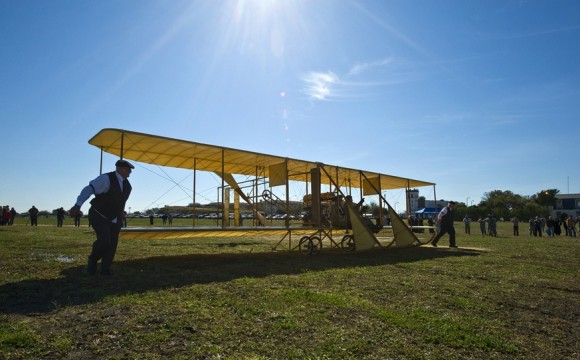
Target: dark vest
x,y
447,219
112,203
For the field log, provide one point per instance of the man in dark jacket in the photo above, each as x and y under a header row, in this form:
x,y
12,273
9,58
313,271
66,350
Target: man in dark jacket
x,y
111,191
445,222
33,212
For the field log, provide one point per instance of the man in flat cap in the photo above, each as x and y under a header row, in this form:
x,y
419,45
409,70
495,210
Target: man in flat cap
x,y
111,191
445,221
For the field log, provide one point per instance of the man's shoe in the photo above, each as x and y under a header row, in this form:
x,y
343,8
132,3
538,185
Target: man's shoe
x,y
90,271
106,273
433,244
453,246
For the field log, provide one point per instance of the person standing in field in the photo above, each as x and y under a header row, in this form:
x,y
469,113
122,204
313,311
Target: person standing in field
x,y
77,218
550,225
557,226
467,223
111,191
491,225
537,227
13,214
33,213
571,226
516,222
59,217
6,215
565,223
481,222
445,222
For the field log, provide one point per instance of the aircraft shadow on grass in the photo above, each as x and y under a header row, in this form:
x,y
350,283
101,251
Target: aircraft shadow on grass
x,y
165,272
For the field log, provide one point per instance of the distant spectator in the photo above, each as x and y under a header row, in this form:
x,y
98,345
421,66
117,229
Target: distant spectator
x,y
151,219
59,217
565,223
537,231
5,215
557,226
467,223
491,225
571,226
481,222
516,223
550,224
13,214
77,218
33,213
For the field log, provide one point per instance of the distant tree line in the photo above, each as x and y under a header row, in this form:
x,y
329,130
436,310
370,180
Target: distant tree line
x,y
504,205
507,205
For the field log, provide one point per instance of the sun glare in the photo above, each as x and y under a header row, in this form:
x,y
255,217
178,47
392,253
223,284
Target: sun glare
x,y
263,25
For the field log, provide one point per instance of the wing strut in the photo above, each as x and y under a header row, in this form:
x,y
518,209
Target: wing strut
x,y
229,178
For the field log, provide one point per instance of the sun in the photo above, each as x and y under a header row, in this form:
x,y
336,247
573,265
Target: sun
x,y
263,26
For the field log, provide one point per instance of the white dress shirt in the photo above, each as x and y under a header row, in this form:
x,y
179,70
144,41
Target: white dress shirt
x,y
97,186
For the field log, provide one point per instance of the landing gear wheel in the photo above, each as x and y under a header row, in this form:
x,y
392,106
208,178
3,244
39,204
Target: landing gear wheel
x,y
309,245
316,245
347,243
305,245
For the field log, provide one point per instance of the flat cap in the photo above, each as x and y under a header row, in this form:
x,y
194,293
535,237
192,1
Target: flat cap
x,y
124,163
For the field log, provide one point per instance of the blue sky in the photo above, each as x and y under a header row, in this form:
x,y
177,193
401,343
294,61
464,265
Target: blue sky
x,y
473,95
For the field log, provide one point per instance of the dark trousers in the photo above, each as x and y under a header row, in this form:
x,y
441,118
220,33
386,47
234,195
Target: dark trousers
x,y
105,247
445,230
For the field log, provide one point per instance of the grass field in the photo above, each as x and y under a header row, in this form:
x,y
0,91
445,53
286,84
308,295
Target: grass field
x,y
225,298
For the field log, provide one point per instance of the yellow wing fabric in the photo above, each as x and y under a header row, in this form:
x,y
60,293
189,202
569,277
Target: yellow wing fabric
x,y
163,151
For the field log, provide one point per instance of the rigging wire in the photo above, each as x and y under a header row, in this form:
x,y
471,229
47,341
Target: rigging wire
x,y
168,177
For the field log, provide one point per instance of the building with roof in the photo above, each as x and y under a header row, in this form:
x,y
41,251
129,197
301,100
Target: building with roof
x,y
568,204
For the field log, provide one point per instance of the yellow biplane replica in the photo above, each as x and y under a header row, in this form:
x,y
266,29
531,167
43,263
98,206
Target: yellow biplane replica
x,y
331,221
